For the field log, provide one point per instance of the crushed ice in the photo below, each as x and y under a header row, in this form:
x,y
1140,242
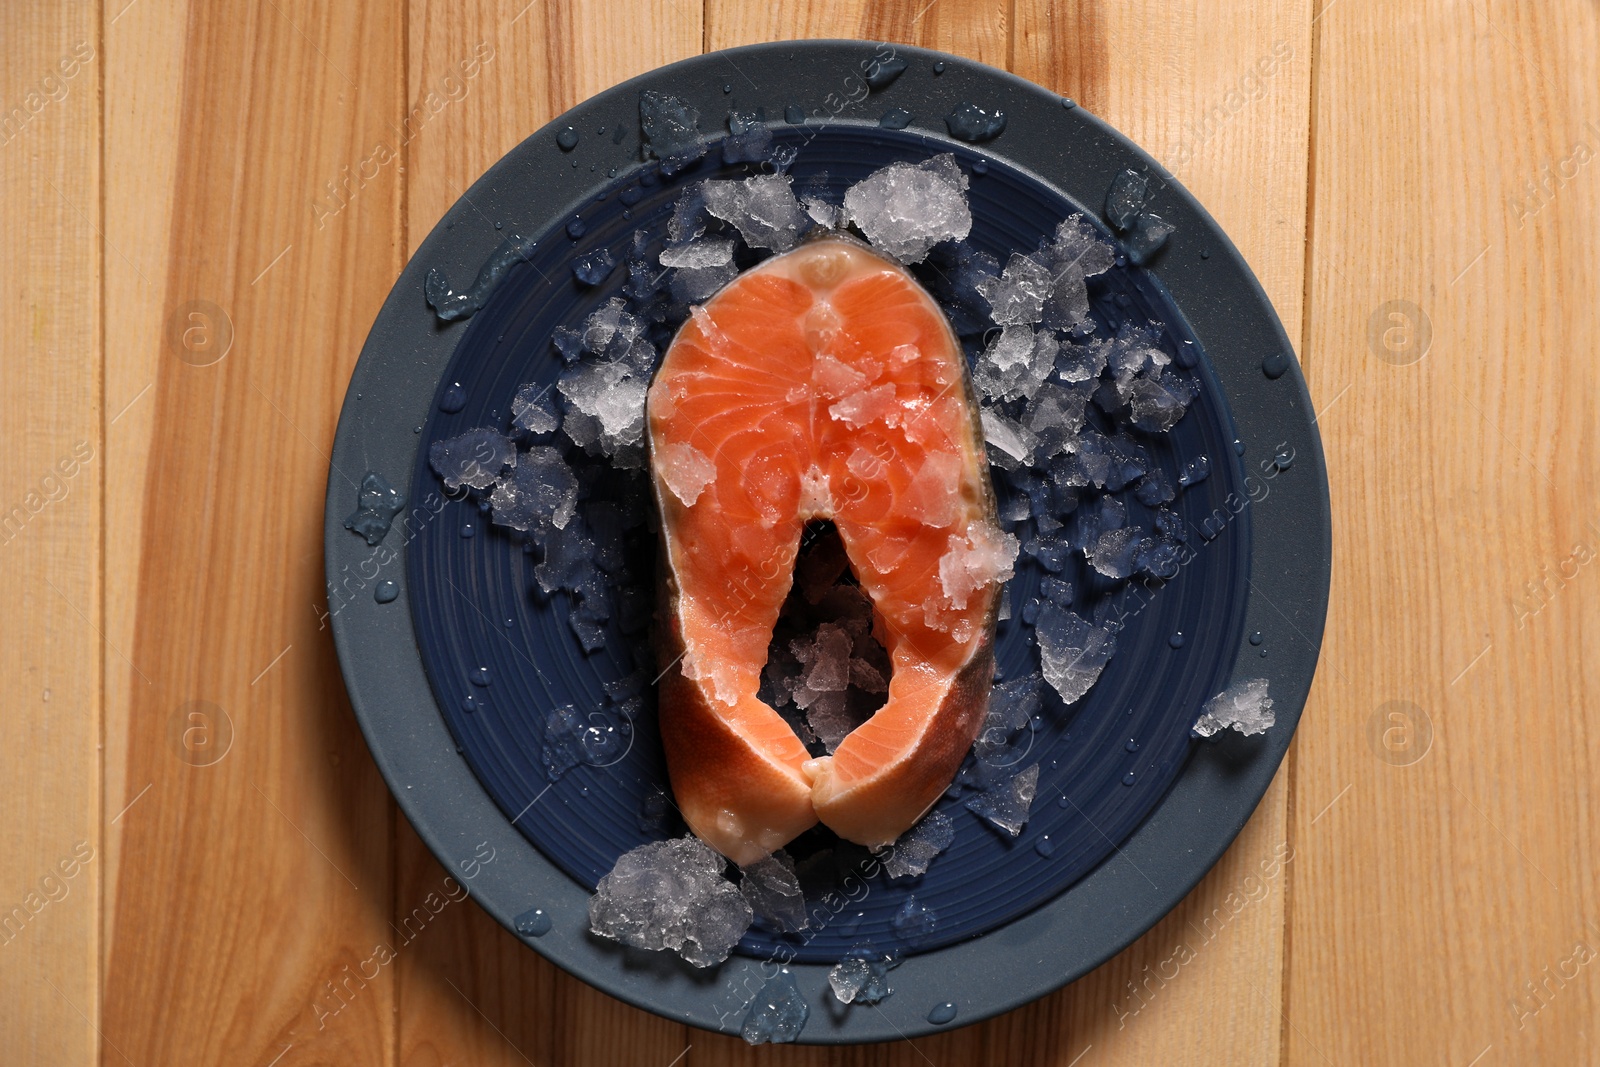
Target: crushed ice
x,y
907,208
773,892
778,1013
1245,706
672,895
862,977
910,856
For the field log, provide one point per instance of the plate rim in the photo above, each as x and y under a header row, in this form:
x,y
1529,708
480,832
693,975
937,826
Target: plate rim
x,y
452,808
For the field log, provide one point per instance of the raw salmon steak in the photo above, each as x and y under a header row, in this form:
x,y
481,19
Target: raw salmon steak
x,y
824,383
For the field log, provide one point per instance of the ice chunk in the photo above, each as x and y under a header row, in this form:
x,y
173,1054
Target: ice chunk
x,y
1017,296
1051,552
1056,591
710,252
748,138
915,849
822,689
867,678
1157,402
827,662
1005,806
1127,196
868,405
1154,488
1245,706
905,209
563,741
1013,703
474,458
533,411
1159,558
671,895
691,285
594,267
778,1013
605,409
689,215
1054,415
915,922
1195,471
568,342
996,751
610,330
862,977
773,891
820,211
1108,513
1113,552
540,490
568,556
1009,439
671,130
686,471
1072,651
763,209
971,123
1082,363
933,496
1078,243
377,502
984,554
1015,363
1076,252
1150,232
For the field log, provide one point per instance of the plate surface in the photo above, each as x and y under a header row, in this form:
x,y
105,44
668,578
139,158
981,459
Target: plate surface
x,y
1016,918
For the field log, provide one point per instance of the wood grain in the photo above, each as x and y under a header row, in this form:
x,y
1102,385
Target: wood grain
x,y
471,992
50,534
1440,905
1150,72
250,890
1406,898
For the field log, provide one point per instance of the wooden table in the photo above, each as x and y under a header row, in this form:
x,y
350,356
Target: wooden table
x,y
198,231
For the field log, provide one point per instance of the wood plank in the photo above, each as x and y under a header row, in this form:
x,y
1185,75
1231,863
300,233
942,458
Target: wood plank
x,y
51,486
1219,94
1439,910
253,864
1159,73
978,29
472,992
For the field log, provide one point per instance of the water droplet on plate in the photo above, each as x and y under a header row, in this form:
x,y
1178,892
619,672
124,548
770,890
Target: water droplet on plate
x,y
533,923
1176,640
1044,846
453,399
1132,745
940,1014
469,704
479,676
1127,779
1275,365
1256,638
567,139
385,592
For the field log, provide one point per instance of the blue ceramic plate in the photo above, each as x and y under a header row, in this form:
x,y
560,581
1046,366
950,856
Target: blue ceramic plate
x,y
454,659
